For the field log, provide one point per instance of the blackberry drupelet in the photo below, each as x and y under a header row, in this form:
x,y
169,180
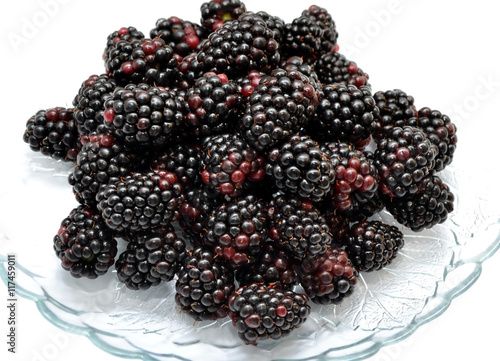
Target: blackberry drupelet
x,y
151,258
328,278
84,244
372,245
53,133
128,34
262,312
215,12
300,167
334,67
396,108
204,285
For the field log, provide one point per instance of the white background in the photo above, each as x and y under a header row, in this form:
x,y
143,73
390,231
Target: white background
x,y
445,54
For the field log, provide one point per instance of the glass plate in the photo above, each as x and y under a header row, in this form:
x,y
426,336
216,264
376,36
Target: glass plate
x,y
432,269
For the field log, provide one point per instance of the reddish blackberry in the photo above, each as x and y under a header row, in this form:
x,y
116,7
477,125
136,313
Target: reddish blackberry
x,y
278,107
431,206
141,201
151,258
298,227
89,103
403,159
345,113
53,133
300,167
372,245
204,285
328,278
396,108
262,312
144,115
334,67
237,229
215,12
230,165
128,34
85,246
239,46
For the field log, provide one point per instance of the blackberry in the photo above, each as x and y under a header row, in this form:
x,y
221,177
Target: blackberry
x,y
144,115
151,258
204,285
328,278
300,167
141,201
230,165
211,105
277,108
128,34
424,210
261,312
85,246
237,229
89,103
274,23
298,227
189,71
53,133
372,245
215,12
345,113
396,108
403,159
239,46
295,62
334,67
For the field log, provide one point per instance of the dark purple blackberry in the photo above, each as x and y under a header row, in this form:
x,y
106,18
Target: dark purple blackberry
x,y
396,108
189,71
128,34
300,167
334,67
204,285
296,62
151,258
345,113
53,133
274,23
403,159
89,103
372,245
261,312
328,278
230,164
84,244
215,12
298,227
424,210
237,229
211,105
239,46
141,201
277,108
144,115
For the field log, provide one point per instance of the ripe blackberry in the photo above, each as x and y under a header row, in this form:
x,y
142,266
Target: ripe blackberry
x,y
334,67
396,108
278,107
141,201
298,227
300,167
328,278
151,258
204,285
144,115
128,34
53,133
215,12
85,246
230,165
373,245
274,23
424,210
262,312
295,62
89,103
345,113
403,159
239,46
211,105
237,229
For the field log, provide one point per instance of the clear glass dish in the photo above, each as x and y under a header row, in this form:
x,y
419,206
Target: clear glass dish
x,y
434,267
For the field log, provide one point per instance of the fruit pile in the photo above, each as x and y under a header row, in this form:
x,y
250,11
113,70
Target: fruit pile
x,y
243,159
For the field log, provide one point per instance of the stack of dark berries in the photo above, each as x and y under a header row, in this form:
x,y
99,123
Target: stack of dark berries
x,y
245,159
